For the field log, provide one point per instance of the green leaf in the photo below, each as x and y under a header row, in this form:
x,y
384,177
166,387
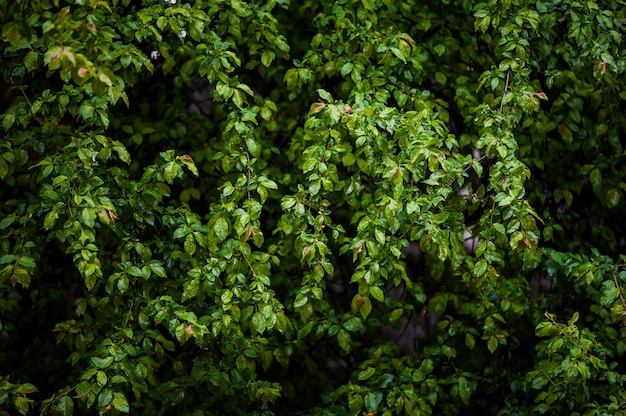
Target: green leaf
x,y
464,390
367,373
258,322
161,22
27,261
221,228
372,400
366,307
189,164
158,269
480,268
102,362
325,95
369,5
596,179
65,406
190,244
343,337
88,216
49,220
190,288
355,404
171,171
22,404
31,60
377,293
120,403
6,222
101,378
267,57
612,197
7,121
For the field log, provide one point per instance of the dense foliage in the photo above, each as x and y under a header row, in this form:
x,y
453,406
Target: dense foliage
x,y
333,207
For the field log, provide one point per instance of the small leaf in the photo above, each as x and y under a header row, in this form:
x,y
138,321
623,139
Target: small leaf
x,y
355,403
170,172
377,293
343,337
102,362
464,390
158,269
189,164
27,261
367,373
596,179
480,268
7,121
101,378
258,322
65,406
120,403
366,307
372,400
190,244
325,95
612,197
190,288
6,222
267,57
221,228
49,220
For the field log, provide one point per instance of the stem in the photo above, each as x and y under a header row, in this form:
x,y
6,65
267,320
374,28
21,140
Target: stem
x,y
506,88
619,291
248,175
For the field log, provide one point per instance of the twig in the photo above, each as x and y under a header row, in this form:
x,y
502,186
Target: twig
x,y
30,105
619,290
56,398
249,173
506,87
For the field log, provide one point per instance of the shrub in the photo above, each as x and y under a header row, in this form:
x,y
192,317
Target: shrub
x,y
324,207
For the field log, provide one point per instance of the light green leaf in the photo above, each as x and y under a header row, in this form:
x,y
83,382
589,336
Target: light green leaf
x,y
377,293
170,172
221,228
267,57
190,288
120,403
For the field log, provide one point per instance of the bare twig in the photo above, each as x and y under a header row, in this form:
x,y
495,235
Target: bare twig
x,y
506,88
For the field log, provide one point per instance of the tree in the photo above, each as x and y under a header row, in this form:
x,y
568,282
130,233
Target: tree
x,y
228,207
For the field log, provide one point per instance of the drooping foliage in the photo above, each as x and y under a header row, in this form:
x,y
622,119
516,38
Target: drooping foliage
x,y
323,207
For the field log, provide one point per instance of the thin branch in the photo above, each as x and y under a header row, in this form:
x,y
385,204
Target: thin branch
x,y
15,55
249,172
619,290
56,398
30,106
506,88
